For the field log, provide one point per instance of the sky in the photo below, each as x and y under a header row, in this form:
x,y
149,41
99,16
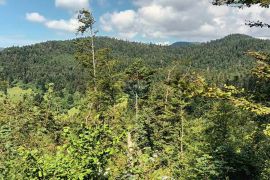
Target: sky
x,y
24,22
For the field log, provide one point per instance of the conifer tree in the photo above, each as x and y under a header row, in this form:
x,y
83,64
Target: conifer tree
x,y
87,21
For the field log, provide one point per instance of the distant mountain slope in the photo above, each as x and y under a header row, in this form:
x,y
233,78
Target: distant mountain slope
x,y
183,43
220,60
1,49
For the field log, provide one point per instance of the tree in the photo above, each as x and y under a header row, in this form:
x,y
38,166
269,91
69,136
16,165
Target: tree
x,y
260,93
247,3
87,20
138,81
84,155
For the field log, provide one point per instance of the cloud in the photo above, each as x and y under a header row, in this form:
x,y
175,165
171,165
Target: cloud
x,y
70,25
122,21
73,5
35,17
181,19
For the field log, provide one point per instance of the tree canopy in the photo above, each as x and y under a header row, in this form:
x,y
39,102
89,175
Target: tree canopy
x,y
123,110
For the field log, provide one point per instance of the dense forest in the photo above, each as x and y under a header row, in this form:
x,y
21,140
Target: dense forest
x,y
149,112
103,108
54,62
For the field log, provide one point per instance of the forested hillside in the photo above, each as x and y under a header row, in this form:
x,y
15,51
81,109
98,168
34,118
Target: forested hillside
x,y
135,111
219,61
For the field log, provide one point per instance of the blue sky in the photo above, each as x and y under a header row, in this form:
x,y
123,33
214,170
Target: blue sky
x,y
17,30
158,21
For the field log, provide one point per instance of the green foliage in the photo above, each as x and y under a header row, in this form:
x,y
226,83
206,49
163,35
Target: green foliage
x,y
17,94
84,155
86,18
221,61
138,80
148,112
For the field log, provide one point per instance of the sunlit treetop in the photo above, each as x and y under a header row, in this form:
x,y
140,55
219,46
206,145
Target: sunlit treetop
x,y
86,19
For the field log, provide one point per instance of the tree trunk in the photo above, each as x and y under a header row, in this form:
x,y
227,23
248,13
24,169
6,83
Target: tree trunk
x,y
93,60
182,132
136,98
167,90
129,142
166,98
136,107
130,149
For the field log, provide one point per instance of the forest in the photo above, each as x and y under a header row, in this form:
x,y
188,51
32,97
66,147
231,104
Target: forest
x,y
103,108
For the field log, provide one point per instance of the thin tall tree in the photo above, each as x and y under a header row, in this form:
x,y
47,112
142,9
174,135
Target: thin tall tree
x,y
87,21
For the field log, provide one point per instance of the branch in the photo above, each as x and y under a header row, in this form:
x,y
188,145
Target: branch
x,y
241,3
258,24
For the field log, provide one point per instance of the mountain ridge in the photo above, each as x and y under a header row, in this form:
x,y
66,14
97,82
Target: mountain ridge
x,y
53,61
230,36
183,43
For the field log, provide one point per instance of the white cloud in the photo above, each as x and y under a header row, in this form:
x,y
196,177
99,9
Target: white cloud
x,y
35,17
182,19
70,25
122,21
73,5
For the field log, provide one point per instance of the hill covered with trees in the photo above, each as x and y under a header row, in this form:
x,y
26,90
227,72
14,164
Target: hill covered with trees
x,y
140,111
219,61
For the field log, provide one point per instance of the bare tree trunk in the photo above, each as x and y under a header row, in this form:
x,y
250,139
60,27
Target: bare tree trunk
x,y
182,132
130,149
167,90
89,113
129,143
136,98
166,98
48,107
93,59
136,107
